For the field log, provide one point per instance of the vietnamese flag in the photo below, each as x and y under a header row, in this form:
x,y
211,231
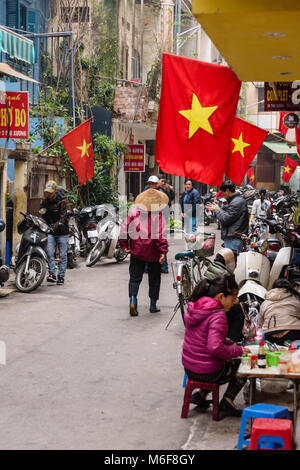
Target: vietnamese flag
x,y
79,147
297,136
251,176
246,140
290,166
282,127
197,108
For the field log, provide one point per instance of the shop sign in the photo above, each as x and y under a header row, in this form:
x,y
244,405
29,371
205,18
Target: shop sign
x,y
17,103
291,120
134,161
286,97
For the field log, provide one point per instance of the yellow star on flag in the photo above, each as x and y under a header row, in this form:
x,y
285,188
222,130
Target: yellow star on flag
x,y
287,169
198,116
239,145
84,148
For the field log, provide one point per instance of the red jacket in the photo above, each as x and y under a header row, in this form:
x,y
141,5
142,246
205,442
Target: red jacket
x,y
144,233
206,346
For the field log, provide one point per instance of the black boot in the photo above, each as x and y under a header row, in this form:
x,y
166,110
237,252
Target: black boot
x,y
153,306
133,311
228,410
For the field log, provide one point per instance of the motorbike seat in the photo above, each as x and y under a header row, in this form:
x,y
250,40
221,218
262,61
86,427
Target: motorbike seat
x,y
184,254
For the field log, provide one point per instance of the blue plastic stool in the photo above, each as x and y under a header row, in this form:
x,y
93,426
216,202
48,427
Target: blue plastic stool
x,y
259,410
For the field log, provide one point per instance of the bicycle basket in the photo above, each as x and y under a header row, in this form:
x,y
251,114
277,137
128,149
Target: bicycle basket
x,y
201,244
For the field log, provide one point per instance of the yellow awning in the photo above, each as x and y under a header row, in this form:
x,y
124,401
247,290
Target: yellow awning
x,y
5,69
259,39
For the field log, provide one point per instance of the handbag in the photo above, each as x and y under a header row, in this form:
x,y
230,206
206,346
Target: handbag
x,y
249,327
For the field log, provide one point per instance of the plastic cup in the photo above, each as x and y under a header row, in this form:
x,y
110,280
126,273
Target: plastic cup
x,y
272,359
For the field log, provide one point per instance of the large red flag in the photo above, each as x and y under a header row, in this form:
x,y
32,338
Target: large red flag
x,y
251,176
290,166
246,140
79,147
297,135
282,127
197,108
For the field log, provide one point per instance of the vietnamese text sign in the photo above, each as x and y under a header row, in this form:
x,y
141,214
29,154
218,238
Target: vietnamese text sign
x,y
135,160
17,102
287,99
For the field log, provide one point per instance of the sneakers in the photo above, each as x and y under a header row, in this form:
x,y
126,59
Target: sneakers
x,y
60,280
228,410
51,278
197,399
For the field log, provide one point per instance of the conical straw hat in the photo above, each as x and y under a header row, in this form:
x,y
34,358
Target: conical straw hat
x,y
151,200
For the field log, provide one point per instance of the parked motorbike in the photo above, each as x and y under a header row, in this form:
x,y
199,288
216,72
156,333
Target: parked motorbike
x,y
30,262
108,230
272,244
74,240
87,221
4,270
208,215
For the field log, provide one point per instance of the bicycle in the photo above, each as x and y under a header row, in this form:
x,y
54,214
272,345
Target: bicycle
x,y
188,269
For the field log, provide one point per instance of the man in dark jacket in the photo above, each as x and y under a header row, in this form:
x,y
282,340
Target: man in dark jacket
x,y
55,216
233,218
189,201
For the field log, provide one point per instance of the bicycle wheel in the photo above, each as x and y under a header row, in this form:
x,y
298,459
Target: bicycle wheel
x,y
186,290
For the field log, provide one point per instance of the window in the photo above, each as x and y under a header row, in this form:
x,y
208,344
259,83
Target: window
x,y
75,15
23,17
261,97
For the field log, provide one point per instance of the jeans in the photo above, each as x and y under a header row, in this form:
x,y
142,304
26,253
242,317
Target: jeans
x,y
61,241
190,224
233,243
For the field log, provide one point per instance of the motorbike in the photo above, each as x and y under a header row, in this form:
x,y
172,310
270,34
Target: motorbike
x,y
287,262
208,215
4,270
74,240
86,220
30,262
272,245
108,230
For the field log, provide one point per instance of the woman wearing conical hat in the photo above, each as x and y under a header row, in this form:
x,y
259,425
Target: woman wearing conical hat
x,y
143,234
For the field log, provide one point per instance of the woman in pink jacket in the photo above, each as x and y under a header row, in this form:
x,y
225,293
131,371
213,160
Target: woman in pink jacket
x,y
208,354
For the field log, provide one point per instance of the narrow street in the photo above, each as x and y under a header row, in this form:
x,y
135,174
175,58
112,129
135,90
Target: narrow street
x,y
82,374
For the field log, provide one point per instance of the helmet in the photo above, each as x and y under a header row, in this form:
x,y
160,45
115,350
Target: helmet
x,y
227,257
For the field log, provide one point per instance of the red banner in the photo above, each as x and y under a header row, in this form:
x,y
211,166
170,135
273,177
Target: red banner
x,y
135,159
17,103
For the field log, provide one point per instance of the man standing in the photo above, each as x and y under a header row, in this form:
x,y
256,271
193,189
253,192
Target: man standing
x,y
189,201
152,183
261,207
233,218
56,217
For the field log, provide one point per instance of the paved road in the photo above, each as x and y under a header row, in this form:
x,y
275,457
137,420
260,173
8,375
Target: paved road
x,y
82,374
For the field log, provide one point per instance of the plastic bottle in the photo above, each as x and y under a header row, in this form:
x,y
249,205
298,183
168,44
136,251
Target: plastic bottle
x,y
261,360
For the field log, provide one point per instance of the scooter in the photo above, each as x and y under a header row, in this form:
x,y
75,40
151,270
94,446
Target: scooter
x,y
108,230
74,240
30,263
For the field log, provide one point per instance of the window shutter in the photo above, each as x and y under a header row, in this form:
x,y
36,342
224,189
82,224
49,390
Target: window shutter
x,y
13,13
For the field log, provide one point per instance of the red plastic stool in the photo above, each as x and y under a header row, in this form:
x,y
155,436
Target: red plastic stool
x,y
190,386
271,431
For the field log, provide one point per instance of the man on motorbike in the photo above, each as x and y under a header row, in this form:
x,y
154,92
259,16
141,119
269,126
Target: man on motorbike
x,y
56,217
233,218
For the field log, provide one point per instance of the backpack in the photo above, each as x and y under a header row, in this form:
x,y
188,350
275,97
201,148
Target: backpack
x,y
249,327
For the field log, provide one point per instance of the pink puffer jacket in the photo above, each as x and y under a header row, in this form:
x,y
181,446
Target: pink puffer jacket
x,y
205,346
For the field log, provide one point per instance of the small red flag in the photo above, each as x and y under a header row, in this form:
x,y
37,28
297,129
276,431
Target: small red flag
x,y
197,108
246,140
290,166
78,145
251,176
282,127
297,135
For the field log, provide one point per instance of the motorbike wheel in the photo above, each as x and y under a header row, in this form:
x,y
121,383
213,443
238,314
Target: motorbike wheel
x,y
95,254
30,281
120,255
186,290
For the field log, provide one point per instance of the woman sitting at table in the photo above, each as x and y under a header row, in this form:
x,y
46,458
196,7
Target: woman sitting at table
x,y
207,353
279,315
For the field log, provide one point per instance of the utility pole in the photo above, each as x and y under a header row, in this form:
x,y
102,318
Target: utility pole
x,y
177,31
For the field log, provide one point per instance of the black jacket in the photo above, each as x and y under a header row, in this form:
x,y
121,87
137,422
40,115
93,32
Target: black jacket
x,y
234,217
56,213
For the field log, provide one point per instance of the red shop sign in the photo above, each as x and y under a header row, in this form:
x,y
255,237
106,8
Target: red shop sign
x,y
135,159
17,102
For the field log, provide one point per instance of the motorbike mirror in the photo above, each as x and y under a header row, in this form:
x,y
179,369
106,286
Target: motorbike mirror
x,y
42,211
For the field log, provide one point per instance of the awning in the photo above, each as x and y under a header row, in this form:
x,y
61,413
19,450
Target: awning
x,y
259,39
280,147
5,69
16,46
